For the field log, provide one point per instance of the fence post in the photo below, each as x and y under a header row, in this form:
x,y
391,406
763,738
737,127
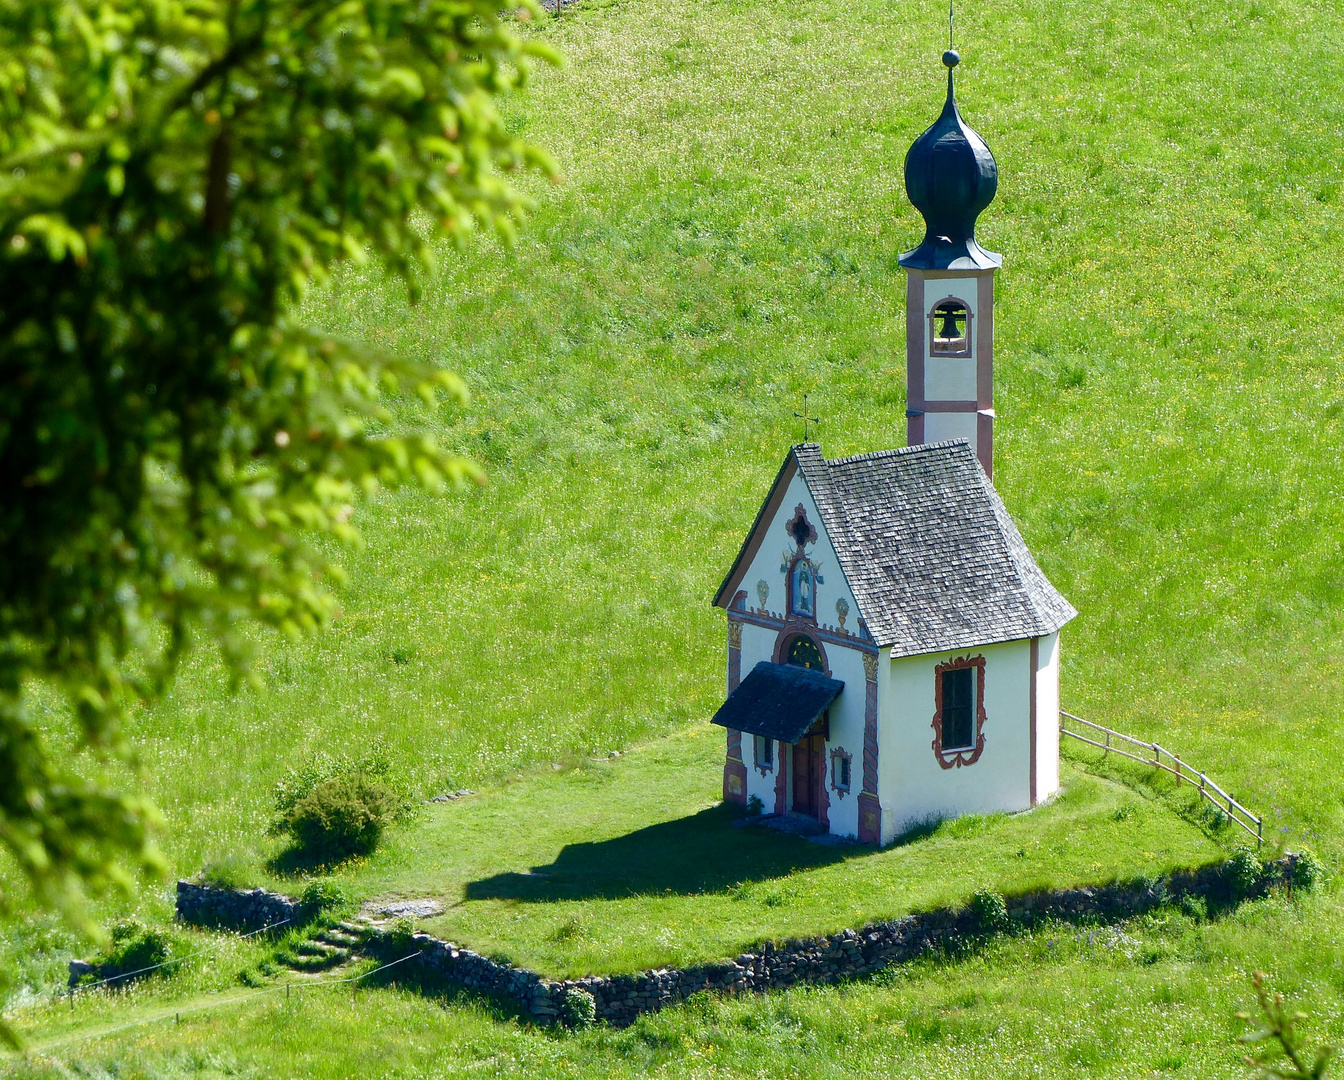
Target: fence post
x,y
1108,743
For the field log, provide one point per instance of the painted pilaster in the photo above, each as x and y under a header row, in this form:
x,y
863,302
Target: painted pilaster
x,y
783,756
870,810
823,783
914,359
734,768
1033,767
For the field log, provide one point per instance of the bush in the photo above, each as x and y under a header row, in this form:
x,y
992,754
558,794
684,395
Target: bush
x,y
1306,872
229,872
579,1009
319,896
989,911
1195,907
1242,873
755,808
298,783
134,948
339,818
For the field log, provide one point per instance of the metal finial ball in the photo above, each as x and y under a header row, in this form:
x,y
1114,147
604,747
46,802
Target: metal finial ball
x,y
951,58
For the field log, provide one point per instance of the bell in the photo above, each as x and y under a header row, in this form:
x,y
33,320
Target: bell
x,y
949,331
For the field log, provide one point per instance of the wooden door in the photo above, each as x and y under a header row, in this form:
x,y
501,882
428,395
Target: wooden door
x,y
807,768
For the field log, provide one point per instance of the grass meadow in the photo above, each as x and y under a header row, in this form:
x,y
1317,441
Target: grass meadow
x,y
725,241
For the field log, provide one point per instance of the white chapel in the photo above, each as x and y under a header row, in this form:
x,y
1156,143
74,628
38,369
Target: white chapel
x,y
893,648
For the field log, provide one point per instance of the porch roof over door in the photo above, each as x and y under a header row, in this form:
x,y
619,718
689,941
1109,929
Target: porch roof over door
x,y
778,701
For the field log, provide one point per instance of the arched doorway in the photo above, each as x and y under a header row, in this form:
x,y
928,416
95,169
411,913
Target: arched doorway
x,y
809,752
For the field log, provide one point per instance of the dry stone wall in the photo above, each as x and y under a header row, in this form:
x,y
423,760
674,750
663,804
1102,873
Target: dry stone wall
x,y
849,954
235,909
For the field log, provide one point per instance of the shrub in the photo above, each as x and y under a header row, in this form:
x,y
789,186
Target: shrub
x,y
339,818
134,948
755,808
229,872
1242,873
989,911
298,783
1195,907
1306,871
319,896
579,1008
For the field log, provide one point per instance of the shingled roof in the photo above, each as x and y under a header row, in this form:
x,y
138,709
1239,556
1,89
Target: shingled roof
x,y
928,549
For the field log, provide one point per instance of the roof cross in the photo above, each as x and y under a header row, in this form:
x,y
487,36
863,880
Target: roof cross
x,y
805,418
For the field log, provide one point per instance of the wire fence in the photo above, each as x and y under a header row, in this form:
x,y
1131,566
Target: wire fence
x,y
176,1014
1114,742
124,975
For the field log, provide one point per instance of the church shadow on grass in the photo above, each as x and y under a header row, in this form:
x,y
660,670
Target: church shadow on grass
x,y
702,853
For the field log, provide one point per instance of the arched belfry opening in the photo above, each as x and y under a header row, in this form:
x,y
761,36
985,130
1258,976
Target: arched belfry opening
x,y
950,328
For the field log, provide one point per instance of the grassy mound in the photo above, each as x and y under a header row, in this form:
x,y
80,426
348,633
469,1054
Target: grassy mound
x,y
630,864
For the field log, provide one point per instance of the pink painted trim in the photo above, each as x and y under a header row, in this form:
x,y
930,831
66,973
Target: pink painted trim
x,y
984,343
1031,712
942,406
869,808
870,734
957,758
795,628
735,770
862,641
870,818
914,343
984,441
914,430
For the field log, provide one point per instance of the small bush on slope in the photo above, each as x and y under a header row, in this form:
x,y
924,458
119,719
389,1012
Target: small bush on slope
x,y
339,818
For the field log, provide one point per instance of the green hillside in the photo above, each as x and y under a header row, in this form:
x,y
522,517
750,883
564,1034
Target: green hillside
x,y
1168,336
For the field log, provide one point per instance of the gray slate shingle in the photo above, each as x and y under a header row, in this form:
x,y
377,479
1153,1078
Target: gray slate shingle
x,y
928,548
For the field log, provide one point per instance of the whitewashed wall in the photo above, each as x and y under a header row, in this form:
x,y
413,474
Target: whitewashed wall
x,y
911,783
846,733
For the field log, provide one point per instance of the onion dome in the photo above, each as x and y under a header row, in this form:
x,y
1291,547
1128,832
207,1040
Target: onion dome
x,y
950,176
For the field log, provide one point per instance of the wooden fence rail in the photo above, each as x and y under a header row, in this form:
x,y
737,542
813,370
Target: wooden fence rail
x,y
1112,742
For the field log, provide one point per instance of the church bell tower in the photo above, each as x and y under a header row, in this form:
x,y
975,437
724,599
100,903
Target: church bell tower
x,y
950,177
